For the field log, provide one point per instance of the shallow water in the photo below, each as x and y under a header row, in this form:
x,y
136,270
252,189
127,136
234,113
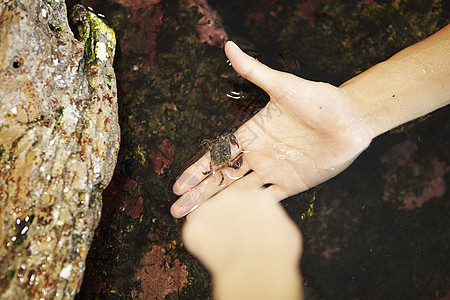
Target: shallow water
x,y
359,228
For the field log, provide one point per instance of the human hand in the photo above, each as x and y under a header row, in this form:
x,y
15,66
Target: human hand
x,y
248,243
307,133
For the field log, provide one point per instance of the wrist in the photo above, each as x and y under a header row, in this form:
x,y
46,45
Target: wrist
x,y
368,103
408,85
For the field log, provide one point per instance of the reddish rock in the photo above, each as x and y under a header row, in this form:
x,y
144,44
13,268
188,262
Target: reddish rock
x,y
158,275
410,180
210,29
164,157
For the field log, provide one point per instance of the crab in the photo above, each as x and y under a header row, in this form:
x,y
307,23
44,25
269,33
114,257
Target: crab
x,y
220,149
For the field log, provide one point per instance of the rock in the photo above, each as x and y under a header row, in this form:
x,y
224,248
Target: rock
x,y
59,139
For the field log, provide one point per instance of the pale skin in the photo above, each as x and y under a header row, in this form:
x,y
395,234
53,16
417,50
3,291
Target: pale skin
x,y
308,133
256,255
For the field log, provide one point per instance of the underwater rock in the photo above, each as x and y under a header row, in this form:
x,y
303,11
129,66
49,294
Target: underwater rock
x,y
209,27
412,179
159,275
59,139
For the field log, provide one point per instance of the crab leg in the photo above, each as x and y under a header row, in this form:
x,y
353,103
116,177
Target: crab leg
x,y
223,177
210,169
206,142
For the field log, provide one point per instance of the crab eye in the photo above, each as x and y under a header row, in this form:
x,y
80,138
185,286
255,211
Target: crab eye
x,y
17,63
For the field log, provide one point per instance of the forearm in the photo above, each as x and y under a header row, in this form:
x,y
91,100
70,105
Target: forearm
x,y
266,278
410,84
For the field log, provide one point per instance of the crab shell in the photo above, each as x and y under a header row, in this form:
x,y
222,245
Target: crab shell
x,y
220,150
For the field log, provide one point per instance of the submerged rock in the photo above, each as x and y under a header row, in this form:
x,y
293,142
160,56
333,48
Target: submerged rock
x,y
59,138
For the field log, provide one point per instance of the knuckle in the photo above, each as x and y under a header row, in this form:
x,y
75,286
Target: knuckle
x,y
249,74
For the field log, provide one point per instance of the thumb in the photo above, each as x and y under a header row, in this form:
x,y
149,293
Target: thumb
x,y
251,69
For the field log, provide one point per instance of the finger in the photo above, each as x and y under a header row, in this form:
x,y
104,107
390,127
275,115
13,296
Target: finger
x,y
204,193
251,69
255,180
189,201
277,193
251,136
250,180
195,173
197,195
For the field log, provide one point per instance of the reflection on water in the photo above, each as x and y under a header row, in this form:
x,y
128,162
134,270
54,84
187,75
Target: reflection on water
x,y
246,97
175,90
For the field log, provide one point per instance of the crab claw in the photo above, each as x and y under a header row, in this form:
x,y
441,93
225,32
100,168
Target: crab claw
x,y
236,163
233,140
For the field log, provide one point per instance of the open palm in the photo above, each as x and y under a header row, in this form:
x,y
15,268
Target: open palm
x,y
307,133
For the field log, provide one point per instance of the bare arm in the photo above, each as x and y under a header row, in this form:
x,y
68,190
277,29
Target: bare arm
x,y
311,131
410,84
320,130
248,243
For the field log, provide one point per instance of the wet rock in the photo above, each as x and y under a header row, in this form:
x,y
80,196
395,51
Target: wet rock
x,y
158,275
209,27
59,138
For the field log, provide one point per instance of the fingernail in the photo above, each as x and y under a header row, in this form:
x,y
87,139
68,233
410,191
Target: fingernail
x,y
236,46
185,204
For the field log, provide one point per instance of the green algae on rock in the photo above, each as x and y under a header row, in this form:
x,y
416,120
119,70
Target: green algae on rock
x,y
59,138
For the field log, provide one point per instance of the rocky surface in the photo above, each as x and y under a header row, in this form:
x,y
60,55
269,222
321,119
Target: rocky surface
x,y
59,139
172,84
